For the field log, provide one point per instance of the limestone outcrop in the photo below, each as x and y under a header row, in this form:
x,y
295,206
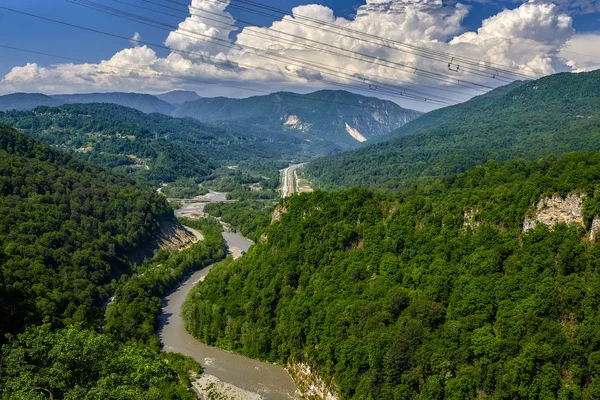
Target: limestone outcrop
x,y
309,383
555,210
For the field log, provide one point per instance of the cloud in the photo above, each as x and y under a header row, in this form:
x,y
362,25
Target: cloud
x,y
527,38
582,52
531,37
568,6
135,40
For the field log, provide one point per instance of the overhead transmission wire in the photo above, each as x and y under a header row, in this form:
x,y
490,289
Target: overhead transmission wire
x,y
410,94
432,75
178,77
161,74
377,85
389,92
389,63
407,68
277,39
495,68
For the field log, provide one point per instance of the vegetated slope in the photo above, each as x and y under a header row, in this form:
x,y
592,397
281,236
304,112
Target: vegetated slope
x,y
90,132
27,101
433,293
337,116
152,146
555,114
142,102
66,228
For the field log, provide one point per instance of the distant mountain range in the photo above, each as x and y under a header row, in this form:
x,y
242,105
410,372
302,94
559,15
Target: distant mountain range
x,y
552,115
342,118
345,118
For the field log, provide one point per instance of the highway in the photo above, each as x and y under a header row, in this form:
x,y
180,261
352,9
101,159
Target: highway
x,y
288,180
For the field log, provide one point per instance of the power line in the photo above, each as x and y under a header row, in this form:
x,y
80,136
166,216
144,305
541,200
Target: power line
x,y
177,78
376,85
260,34
227,43
390,92
428,53
394,64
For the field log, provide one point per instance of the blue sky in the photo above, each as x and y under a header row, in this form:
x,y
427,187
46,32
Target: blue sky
x,y
22,31
25,32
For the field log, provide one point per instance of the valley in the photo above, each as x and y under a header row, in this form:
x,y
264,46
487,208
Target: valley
x,y
325,245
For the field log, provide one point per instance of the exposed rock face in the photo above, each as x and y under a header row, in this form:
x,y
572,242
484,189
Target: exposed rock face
x,y
309,383
555,210
355,133
470,220
595,229
277,213
171,235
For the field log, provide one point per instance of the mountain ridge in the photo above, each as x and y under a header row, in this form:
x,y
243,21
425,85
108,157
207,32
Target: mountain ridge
x,y
344,118
555,114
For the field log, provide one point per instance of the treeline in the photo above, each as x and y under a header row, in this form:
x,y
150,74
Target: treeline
x,y
152,147
65,227
555,114
103,135
404,296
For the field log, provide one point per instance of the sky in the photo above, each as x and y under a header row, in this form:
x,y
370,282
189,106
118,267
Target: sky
x,y
422,54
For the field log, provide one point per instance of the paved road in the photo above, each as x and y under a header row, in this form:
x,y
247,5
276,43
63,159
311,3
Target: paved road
x,y
288,184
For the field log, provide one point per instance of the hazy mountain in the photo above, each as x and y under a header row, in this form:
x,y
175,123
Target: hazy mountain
x,y
142,102
177,97
555,114
342,117
27,101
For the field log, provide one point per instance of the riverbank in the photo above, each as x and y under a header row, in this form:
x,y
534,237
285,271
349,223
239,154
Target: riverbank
x,y
231,375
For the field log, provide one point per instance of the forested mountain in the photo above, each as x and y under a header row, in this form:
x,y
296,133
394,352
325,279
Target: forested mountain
x,y
342,117
27,101
554,114
154,147
142,102
177,97
435,292
66,229
327,121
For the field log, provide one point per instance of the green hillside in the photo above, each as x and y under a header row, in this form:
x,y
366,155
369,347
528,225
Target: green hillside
x,y
65,228
555,114
321,116
154,147
406,297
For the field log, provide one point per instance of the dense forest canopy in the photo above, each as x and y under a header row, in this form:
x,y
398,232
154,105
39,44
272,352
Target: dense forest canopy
x,y
555,114
154,147
402,297
65,228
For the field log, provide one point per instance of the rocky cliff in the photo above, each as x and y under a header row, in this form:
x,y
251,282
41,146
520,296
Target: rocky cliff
x,y
556,210
310,384
171,235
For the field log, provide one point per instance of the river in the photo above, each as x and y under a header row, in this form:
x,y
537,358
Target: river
x,y
258,379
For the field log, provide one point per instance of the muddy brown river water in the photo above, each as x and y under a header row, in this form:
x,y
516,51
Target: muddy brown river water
x,y
269,381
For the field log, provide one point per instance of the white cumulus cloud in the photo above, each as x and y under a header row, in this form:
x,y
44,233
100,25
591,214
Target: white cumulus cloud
x,y
296,53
